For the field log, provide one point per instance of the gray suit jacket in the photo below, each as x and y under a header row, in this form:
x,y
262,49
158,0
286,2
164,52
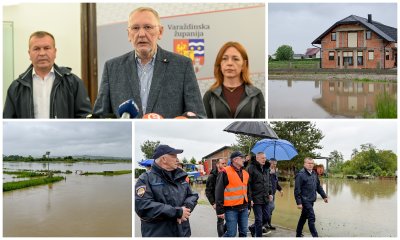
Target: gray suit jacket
x,y
174,89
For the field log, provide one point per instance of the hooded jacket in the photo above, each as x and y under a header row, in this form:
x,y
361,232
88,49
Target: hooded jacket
x,y
252,104
159,197
68,99
259,183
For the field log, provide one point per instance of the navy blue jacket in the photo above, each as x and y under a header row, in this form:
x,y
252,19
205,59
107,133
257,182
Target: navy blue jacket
x,y
274,183
159,196
306,187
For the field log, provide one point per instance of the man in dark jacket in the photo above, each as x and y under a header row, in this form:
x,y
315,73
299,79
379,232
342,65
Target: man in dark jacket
x,y
45,90
163,199
231,196
275,186
260,192
210,192
305,193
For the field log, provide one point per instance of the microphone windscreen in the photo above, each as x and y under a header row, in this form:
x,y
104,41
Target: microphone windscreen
x,y
152,116
130,107
190,115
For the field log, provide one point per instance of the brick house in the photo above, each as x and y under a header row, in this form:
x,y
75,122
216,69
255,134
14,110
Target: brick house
x,y
211,159
356,42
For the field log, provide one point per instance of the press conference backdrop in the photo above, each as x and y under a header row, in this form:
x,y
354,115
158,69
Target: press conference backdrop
x,y
205,32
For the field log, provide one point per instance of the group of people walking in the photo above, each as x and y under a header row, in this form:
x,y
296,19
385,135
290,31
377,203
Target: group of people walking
x,y
164,201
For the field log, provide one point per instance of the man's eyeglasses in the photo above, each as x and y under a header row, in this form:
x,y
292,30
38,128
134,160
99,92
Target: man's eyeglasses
x,y
147,28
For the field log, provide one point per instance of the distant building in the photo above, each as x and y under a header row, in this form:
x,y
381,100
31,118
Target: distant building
x,y
356,42
312,53
211,159
298,56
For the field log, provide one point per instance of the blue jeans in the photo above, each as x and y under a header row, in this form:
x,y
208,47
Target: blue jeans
x,y
236,219
271,207
307,213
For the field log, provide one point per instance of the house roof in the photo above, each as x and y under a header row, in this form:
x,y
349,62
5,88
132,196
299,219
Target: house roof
x,y
384,31
216,151
311,51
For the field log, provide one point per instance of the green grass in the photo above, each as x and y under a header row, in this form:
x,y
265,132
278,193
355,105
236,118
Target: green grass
x,y
108,173
25,174
9,186
386,106
296,64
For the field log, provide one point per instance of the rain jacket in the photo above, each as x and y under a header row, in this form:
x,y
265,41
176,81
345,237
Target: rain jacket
x,y
220,185
259,183
68,99
159,197
252,104
306,187
210,186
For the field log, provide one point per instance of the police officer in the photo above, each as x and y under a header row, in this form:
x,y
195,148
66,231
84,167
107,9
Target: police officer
x,y
231,196
306,186
210,192
163,199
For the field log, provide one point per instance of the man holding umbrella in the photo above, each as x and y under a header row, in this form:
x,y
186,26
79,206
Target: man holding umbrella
x,y
306,186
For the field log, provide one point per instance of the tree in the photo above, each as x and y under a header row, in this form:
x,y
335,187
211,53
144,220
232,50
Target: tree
x,y
184,160
371,161
148,148
193,160
244,143
335,158
303,135
284,53
335,161
354,153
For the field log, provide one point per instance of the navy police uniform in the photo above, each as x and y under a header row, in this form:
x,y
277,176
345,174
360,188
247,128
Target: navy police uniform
x,y
159,197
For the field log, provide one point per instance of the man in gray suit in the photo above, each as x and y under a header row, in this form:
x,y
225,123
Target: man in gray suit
x,y
158,81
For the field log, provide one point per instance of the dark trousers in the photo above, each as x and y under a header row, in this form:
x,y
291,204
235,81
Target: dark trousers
x,y
220,226
307,213
261,217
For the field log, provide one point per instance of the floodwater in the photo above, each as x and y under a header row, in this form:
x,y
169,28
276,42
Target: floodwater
x,y
356,208
325,98
80,206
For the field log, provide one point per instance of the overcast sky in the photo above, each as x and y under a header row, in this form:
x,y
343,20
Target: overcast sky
x,y
298,24
112,139
199,138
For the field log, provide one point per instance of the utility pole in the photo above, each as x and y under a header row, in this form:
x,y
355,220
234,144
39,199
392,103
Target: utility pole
x,y
48,162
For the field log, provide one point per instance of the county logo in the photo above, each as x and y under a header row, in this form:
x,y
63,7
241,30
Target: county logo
x,y
191,48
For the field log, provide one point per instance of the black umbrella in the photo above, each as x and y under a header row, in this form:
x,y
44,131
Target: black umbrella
x,y
254,129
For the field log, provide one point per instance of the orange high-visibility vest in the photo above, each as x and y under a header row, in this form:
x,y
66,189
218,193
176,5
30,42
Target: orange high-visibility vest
x,y
236,191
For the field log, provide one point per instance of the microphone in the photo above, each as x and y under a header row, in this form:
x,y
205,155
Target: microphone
x,y
152,116
190,115
128,109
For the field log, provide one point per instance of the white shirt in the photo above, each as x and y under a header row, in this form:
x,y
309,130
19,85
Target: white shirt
x,y
41,93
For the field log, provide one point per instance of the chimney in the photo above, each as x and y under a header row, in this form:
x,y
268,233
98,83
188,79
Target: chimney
x,y
370,18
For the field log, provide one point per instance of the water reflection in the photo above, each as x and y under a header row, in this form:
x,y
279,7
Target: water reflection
x,y
80,206
325,99
356,208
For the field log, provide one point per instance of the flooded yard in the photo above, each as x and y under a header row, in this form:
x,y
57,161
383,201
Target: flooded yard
x,y
356,208
326,98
